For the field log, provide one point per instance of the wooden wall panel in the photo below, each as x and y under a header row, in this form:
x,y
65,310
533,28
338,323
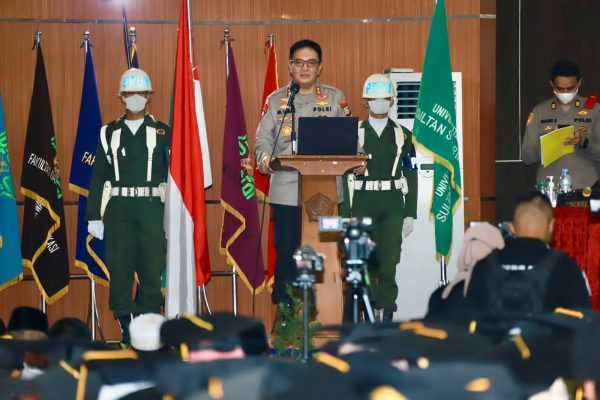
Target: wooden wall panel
x,y
354,46
231,10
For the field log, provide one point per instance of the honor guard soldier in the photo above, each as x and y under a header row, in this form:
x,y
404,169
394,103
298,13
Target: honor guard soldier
x,y
387,191
313,99
566,108
126,201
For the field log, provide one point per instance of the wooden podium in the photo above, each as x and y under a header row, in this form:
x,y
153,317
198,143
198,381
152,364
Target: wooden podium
x,y
318,197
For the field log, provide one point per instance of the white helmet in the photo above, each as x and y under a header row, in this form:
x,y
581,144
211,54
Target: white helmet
x,y
378,86
135,80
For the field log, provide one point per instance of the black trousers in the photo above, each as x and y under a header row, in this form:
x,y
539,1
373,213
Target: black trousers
x,y
286,220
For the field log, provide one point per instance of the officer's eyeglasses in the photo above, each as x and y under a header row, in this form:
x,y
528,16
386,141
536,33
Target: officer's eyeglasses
x,y
300,63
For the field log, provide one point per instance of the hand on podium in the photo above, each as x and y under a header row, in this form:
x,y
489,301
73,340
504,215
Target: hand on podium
x,y
263,166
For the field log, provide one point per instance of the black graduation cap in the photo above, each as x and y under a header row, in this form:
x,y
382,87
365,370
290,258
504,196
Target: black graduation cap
x,y
222,331
415,339
28,323
539,348
460,380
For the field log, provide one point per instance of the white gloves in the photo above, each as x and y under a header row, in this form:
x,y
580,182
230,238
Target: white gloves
x,y
408,226
96,229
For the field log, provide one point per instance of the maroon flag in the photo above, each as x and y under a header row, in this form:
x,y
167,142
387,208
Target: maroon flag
x,y
240,232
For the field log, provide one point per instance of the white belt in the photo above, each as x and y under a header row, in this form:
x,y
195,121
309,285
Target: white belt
x,y
136,191
377,185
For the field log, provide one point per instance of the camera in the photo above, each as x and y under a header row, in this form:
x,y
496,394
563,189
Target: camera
x,y
307,260
355,241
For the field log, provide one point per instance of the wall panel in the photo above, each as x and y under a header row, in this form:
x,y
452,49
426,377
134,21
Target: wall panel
x,y
358,38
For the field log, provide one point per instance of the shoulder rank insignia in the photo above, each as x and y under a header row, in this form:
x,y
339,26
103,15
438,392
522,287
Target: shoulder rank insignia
x,y
577,103
529,119
160,131
583,113
553,105
591,101
264,109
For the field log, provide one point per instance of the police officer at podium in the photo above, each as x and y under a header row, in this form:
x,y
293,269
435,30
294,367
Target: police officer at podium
x,y
314,99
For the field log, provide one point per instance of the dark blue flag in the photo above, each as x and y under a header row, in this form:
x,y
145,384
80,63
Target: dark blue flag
x,y
89,253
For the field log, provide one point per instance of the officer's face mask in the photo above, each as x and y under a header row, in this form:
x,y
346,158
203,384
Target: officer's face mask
x,y
565,98
379,106
135,103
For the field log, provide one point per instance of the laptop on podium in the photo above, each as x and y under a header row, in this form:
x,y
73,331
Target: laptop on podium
x,y
334,136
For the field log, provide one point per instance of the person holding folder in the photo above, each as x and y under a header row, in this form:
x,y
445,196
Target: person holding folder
x,y
565,108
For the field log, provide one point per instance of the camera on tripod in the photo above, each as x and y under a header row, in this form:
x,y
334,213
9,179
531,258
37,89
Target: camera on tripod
x,y
307,262
357,249
355,242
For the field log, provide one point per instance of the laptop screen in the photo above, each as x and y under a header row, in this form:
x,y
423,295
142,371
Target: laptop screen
x,y
327,135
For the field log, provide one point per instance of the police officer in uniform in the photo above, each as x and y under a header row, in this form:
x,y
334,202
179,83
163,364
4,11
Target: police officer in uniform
x,y
126,201
387,191
314,99
565,108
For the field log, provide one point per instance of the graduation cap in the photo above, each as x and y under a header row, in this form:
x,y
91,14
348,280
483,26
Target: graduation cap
x,y
412,340
28,323
222,332
460,380
255,378
542,347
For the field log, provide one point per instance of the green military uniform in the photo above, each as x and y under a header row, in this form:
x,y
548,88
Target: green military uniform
x,y
133,219
378,195
548,116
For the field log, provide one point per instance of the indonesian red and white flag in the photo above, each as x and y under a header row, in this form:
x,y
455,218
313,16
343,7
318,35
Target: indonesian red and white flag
x,y
188,264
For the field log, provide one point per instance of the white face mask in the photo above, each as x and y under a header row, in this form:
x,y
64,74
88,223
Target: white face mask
x,y
135,103
565,98
379,106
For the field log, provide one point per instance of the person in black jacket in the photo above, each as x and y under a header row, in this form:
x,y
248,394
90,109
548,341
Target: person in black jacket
x,y
526,276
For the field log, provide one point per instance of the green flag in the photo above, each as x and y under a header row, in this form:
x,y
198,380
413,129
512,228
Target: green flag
x,y
435,129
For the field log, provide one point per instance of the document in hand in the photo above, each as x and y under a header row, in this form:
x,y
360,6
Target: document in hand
x,y
552,147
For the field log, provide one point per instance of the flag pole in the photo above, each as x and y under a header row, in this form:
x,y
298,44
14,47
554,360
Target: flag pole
x,y
125,38
227,41
37,40
443,275
201,289
93,305
132,35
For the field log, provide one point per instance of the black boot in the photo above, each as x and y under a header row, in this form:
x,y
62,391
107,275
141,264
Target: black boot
x,y
387,316
124,321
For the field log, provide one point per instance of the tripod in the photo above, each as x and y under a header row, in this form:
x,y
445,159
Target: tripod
x,y
358,278
305,280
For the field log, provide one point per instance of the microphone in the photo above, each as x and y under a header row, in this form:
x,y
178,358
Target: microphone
x,y
294,89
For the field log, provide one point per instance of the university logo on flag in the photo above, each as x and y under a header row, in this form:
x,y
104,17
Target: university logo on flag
x,y
11,269
44,240
435,129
